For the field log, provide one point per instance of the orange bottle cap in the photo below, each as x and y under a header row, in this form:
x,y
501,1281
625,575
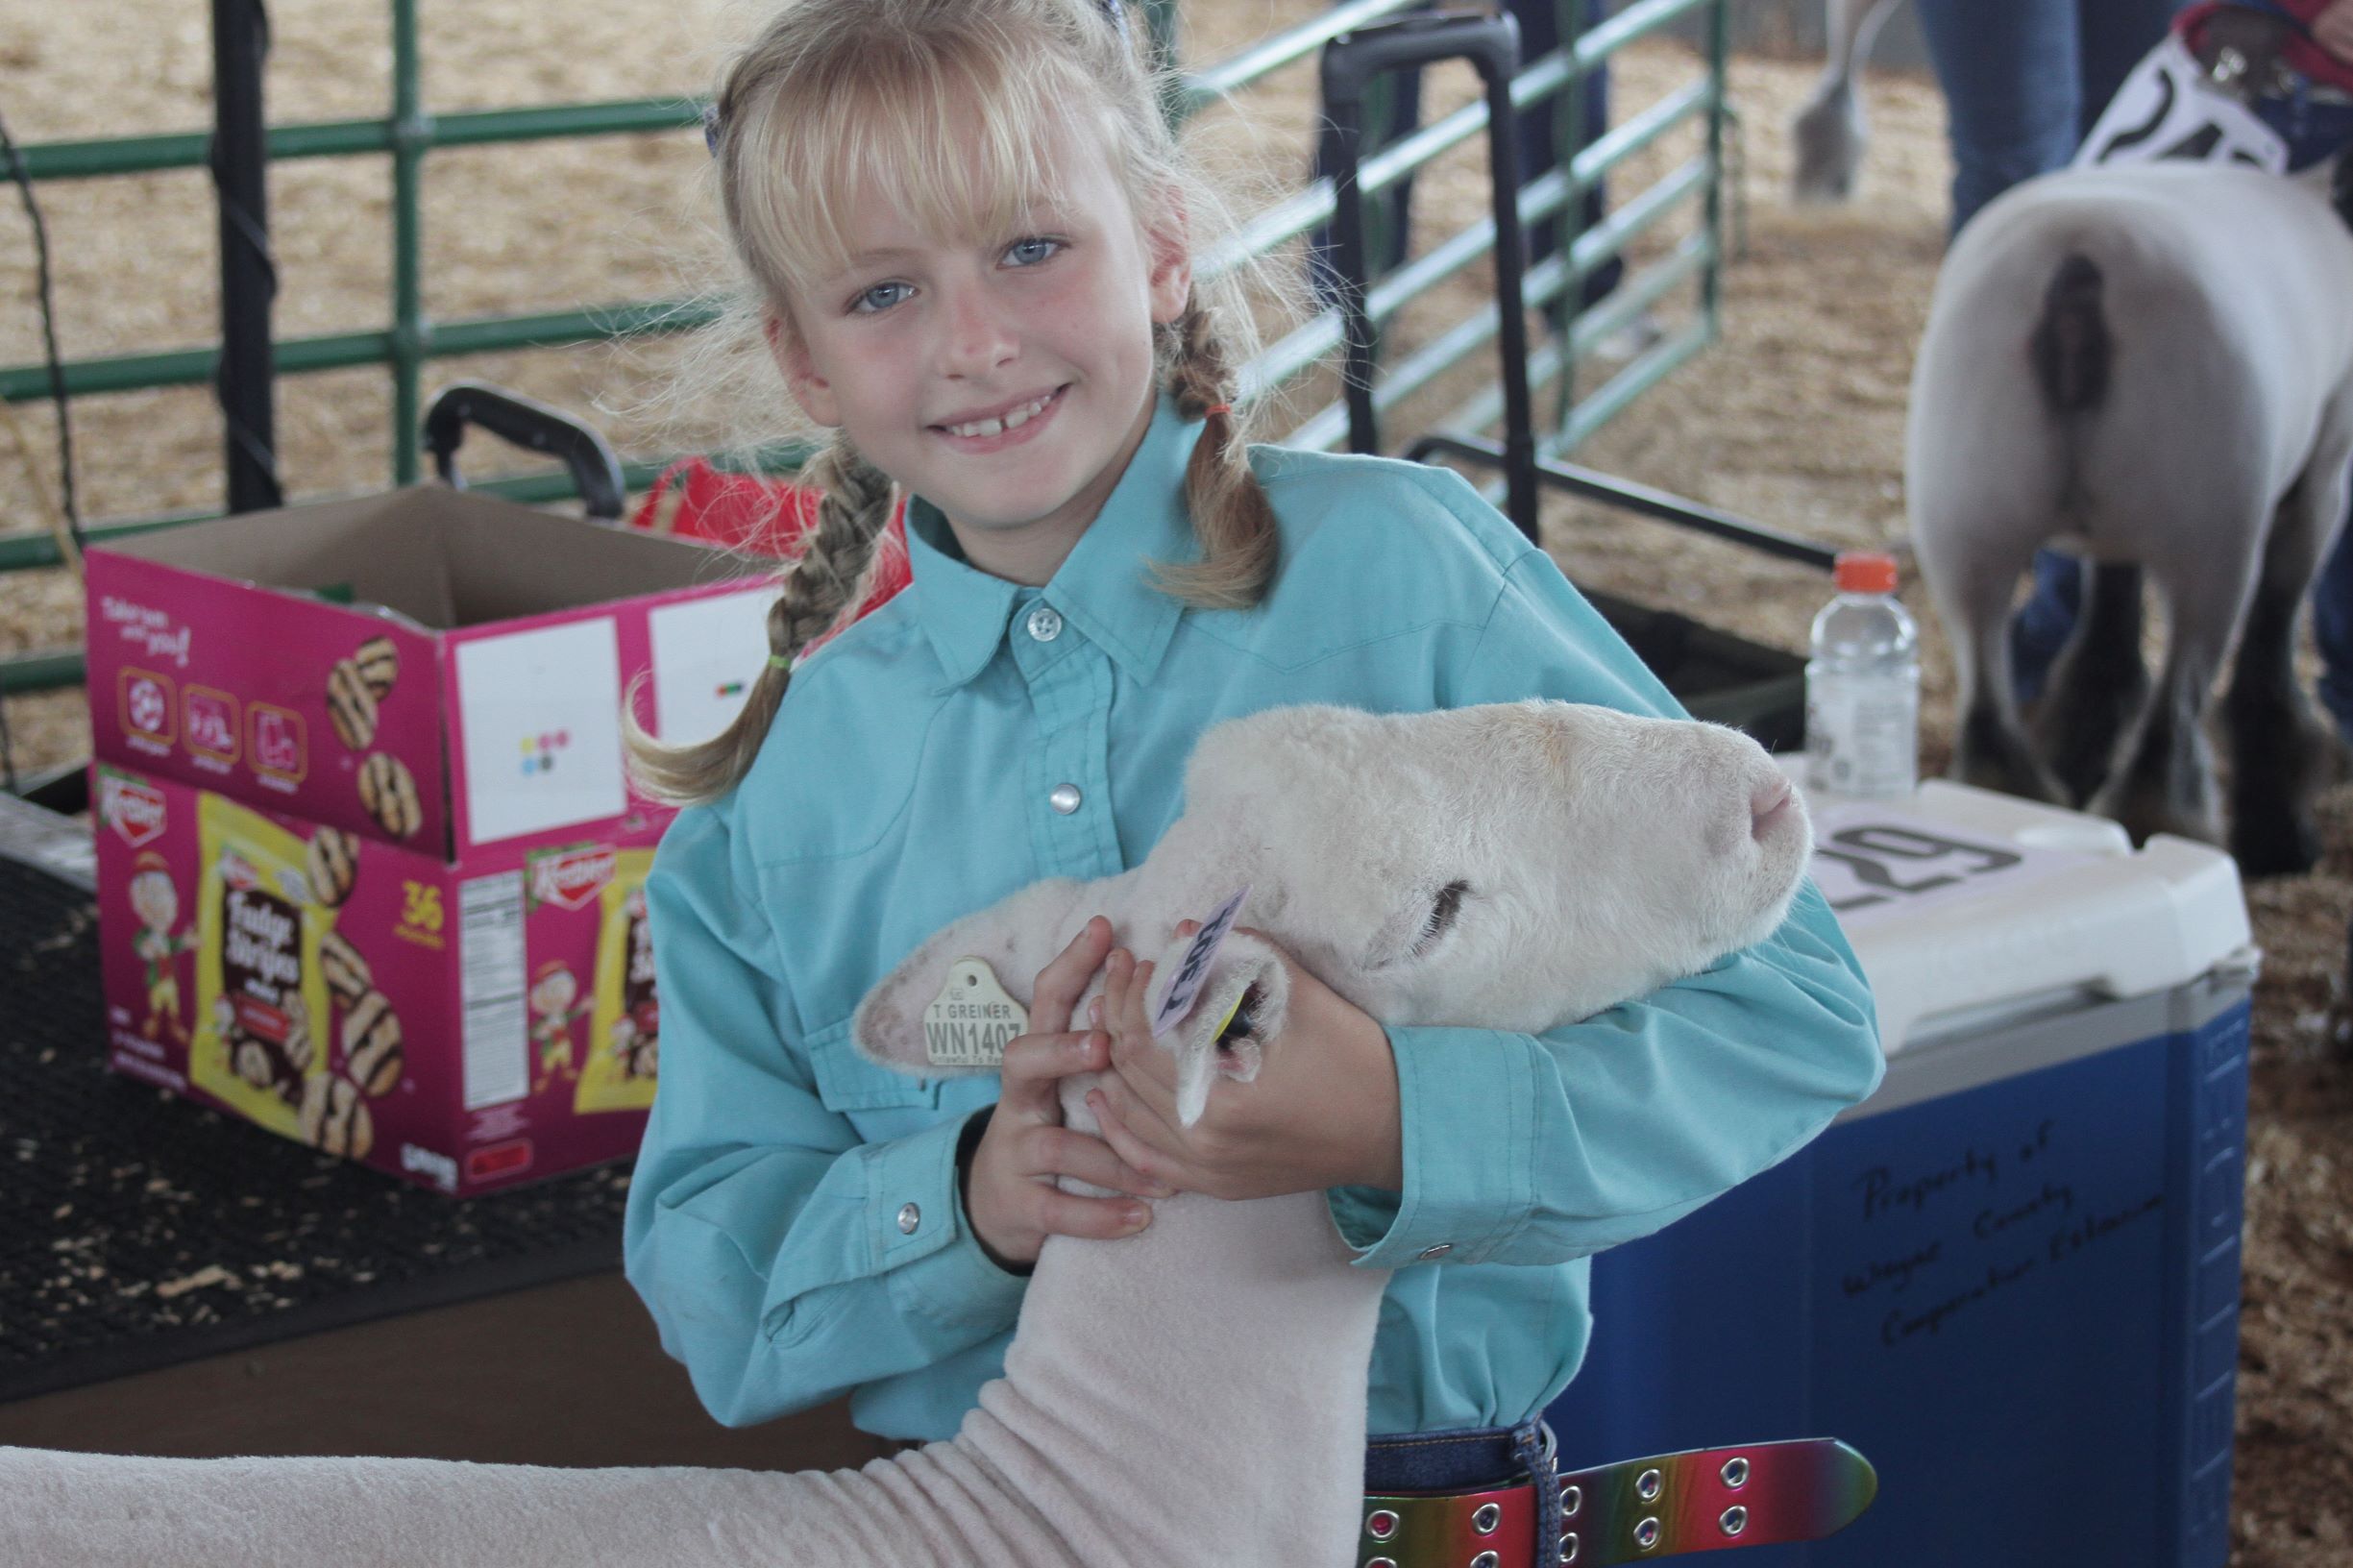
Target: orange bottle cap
x,y
1865,572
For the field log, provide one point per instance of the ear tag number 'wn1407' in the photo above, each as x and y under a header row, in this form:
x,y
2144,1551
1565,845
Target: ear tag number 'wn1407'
x,y
1195,969
972,1021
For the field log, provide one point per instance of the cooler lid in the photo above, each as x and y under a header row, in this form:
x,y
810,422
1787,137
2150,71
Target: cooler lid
x,y
1967,906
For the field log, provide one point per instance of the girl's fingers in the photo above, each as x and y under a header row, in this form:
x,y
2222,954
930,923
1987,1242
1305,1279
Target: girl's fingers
x,y
1035,1063
1063,979
1061,1151
1099,1219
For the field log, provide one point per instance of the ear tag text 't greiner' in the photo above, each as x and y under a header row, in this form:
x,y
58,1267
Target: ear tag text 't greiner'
x,y
972,1021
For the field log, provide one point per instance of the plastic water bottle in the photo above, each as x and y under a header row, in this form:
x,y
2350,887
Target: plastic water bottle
x,y
1862,686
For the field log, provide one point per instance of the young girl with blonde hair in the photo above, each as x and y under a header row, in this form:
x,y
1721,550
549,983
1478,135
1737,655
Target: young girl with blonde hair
x,y
970,237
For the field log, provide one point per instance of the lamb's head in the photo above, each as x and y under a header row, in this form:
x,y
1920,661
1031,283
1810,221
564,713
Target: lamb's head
x,y
1509,866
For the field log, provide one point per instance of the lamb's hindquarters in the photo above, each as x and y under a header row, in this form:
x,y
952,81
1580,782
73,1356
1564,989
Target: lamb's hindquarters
x,y
83,1510
2046,411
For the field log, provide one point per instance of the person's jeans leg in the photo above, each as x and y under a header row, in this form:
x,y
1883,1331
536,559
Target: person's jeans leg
x,y
2112,36
2332,629
2041,626
2009,71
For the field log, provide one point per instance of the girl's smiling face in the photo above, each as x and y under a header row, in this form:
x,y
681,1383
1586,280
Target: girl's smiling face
x,y
1006,379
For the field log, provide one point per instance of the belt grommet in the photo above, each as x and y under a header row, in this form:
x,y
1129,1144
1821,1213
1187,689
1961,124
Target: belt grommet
x,y
1486,1518
1735,1472
1645,1534
1646,1485
1381,1524
1487,1559
1733,1520
1568,1547
1572,1498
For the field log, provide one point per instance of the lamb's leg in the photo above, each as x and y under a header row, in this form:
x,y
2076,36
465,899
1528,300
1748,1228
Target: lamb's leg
x,y
1972,571
1829,131
936,1506
2281,753
2163,782
2099,682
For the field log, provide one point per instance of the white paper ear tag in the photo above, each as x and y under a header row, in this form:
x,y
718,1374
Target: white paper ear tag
x,y
1195,969
972,1021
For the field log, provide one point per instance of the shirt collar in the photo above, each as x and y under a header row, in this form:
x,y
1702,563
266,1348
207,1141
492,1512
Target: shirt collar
x,y
1103,586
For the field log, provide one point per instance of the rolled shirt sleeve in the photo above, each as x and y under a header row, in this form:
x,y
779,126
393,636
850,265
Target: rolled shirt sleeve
x,y
1542,1148
784,1262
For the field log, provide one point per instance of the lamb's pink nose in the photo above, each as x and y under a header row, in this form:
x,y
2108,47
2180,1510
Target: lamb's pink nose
x,y
1768,805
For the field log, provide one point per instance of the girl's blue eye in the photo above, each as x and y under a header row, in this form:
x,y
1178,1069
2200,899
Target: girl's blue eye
x,y
867,304
1040,248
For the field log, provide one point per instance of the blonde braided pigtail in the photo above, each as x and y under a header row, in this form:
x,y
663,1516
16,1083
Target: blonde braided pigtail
x,y
1231,514
816,591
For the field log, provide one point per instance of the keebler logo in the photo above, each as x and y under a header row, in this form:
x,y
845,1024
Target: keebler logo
x,y
136,810
574,877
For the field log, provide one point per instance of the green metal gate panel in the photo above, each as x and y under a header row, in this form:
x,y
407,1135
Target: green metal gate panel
x,y
410,340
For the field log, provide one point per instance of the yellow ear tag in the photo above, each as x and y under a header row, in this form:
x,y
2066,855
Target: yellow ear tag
x,y
1221,1032
970,1022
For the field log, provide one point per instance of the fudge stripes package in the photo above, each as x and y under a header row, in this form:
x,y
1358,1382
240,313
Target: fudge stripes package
x,y
462,1027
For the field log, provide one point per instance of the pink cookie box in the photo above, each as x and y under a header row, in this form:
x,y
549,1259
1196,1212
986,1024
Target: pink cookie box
x,y
465,1028
432,667
368,868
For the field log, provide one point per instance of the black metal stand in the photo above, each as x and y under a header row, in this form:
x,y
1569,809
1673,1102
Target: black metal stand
x,y
249,277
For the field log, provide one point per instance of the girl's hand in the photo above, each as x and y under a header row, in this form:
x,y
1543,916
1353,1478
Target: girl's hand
x,y
1010,1197
1321,1113
2334,29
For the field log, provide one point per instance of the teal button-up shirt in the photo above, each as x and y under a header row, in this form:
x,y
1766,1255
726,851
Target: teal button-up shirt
x,y
794,1225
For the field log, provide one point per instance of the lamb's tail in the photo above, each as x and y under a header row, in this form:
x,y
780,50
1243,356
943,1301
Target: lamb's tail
x,y
2071,345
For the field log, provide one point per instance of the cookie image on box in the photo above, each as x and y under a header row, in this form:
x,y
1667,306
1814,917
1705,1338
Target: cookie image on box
x,y
378,662
261,1000
389,794
372,1045
351,705
628,1026
334,1119
334,864
345,970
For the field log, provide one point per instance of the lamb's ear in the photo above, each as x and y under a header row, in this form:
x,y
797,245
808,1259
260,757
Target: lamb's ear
x,y
1014,937
1247,993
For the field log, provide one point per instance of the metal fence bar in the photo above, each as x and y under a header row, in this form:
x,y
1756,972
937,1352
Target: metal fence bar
x,y
412,339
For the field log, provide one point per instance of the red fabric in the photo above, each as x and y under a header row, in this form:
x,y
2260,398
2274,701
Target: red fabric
x,y
2303,54
759,516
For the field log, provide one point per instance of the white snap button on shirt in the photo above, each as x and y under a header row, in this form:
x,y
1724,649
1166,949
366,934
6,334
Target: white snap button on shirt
x,y
1438,1251
1064,799
1045,623
909,1218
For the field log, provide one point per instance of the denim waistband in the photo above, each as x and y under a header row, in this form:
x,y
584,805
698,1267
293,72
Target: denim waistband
x,y
1450,1461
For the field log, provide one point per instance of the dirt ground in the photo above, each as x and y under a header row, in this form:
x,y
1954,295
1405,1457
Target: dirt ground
x,y
1795,419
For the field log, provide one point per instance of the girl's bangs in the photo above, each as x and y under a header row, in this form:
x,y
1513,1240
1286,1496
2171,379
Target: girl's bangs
x,y
964,160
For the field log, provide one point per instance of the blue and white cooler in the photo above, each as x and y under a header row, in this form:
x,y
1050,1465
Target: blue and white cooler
x,y
2010,1278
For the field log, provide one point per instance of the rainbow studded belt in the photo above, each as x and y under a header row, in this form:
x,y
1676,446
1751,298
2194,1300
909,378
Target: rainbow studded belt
x,y
1702,1500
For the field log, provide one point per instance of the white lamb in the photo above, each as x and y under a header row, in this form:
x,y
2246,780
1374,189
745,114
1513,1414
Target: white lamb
x,y
1196,1393
2150,366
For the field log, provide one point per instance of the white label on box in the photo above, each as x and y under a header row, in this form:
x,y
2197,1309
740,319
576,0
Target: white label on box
x,y
540,712
495,1019
1872,863
706,655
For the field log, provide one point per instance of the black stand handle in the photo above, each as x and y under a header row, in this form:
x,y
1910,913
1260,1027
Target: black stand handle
x,y
595,470
1351,60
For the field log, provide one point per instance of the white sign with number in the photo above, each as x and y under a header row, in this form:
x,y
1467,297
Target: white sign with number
x,y
1872,862
2167,110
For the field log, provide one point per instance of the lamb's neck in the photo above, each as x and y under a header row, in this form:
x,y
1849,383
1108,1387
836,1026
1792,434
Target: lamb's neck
x,y
1198,1388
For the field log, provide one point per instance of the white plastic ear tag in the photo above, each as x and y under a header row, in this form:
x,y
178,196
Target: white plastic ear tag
x,y
1195,969
972,1021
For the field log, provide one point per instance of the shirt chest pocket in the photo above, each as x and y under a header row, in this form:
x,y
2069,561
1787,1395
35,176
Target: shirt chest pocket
x,y
879,1101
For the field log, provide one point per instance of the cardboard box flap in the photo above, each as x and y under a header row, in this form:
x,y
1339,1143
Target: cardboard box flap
x,y
507,563
442,558
339,548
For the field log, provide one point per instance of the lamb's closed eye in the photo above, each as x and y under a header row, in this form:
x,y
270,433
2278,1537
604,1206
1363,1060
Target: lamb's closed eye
x,y
1442,911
